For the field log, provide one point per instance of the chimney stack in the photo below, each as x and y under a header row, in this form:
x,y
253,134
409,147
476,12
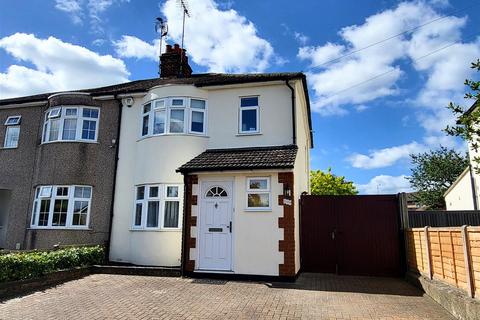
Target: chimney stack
x,y
174,63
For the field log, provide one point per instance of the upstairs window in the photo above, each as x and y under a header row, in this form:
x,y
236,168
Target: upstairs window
x,y
12,132
71,124
157,207
61,207
249,115
174,116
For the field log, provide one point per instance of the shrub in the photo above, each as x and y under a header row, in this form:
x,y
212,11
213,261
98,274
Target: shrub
x,y
19,266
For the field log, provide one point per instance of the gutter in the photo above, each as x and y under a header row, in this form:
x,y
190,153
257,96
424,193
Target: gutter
x,y
294,120
117,145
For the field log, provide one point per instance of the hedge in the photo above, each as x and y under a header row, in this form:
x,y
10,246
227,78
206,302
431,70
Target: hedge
x,y
28,265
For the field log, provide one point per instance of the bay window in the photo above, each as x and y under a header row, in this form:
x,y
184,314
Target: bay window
x,y
72,123
61,207
258,194
174,116
157,207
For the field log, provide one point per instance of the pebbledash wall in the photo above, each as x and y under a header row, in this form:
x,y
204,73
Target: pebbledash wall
x,y
264,242
64,163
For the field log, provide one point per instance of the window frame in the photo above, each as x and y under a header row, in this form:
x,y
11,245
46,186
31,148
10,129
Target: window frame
x,y
8,130
257,115
161,198
61,116
38,198
267,190
167,108
17,120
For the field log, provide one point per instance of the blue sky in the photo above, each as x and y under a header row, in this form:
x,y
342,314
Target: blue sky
x,y
380,72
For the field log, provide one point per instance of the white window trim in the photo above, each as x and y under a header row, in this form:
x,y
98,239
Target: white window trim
x,y
11,127
168,107
71,206
258,191
16,123
240,116
162,197
79,127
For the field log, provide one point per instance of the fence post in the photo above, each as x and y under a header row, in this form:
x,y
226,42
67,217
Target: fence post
x,y
466,255
427,249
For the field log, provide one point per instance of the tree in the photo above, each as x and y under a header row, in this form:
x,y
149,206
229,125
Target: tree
x,y
433,173
326,183
468,122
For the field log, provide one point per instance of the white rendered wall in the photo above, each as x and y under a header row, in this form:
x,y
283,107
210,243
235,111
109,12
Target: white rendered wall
x,y
460,196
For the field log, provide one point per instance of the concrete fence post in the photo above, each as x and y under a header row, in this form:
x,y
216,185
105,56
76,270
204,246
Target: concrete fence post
x,y
429,255
466,255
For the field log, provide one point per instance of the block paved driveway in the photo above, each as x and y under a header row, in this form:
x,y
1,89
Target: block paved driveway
x,y
102,296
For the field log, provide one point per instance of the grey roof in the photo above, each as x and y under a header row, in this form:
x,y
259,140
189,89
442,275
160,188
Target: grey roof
x,y
273,157
199,80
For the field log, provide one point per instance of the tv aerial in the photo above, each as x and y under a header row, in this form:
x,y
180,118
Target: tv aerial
x,y
161,28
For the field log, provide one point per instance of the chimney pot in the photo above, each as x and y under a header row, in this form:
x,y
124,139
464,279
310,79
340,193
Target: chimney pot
x,y
174,63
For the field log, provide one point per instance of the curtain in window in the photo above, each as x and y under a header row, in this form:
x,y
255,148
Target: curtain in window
x,y
171,214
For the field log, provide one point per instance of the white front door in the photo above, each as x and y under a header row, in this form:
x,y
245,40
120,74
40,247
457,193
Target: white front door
x,y
215,240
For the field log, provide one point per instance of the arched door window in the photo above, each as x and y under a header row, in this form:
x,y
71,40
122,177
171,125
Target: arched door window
x,y
216,192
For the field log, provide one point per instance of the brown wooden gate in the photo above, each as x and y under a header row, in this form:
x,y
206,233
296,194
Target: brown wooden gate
x,y
354,235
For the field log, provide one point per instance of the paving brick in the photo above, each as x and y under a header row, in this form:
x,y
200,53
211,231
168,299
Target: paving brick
x,y
103,296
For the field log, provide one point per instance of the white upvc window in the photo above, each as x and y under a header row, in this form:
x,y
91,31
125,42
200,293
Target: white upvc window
x,y
177,115
64,207
258,194
12,132
249,115
71,123
157,207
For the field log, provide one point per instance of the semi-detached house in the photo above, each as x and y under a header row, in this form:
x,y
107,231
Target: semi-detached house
x,y
202,171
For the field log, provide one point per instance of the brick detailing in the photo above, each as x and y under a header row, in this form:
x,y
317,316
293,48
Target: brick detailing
x,y
193,221
190,242
287,223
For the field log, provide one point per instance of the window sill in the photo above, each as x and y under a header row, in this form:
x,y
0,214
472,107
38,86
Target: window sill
x,y
258,209
70,141
248,134
8,148
173,134
60,228
156,230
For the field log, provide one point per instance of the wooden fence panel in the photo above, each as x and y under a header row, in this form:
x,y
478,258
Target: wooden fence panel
x,y
474,246
452,260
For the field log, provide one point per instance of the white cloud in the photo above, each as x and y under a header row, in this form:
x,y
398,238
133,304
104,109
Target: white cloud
x,y
72,7
220,40
93,9
58,66
384,157
385,184
301,38
361,72
133,47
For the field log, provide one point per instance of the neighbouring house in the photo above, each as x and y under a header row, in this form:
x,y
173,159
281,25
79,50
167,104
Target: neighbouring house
x,y
57,172
464,193
413,204
203,171
210,171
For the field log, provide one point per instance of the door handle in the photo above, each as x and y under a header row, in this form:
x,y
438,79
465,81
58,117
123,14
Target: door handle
x,y
333,234
230,226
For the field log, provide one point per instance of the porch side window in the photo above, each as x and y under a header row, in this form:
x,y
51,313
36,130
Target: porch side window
x,y
71,123
258,193
249,115
12,132
61,207
157,207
